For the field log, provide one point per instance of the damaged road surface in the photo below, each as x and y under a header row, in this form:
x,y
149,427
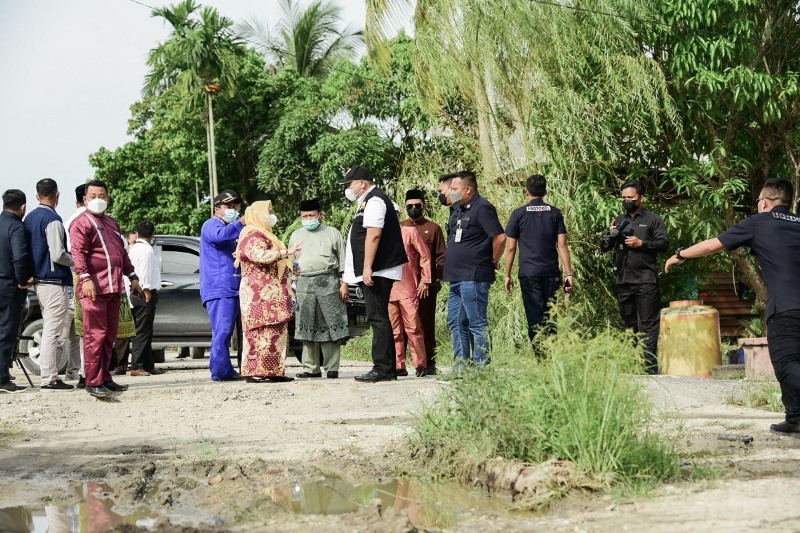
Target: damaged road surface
x,y
180,453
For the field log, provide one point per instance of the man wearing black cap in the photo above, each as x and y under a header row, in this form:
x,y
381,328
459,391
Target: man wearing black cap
x,y
321,313
433,238
375,257
219,280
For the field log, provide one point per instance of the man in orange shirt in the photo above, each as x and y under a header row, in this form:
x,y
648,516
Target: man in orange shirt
x,y
404,302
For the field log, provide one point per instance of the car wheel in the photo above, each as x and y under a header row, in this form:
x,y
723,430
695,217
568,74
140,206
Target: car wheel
x,y
32,348
197,353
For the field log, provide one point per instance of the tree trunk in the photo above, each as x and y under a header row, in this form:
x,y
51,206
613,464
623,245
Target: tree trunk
x,y
212,158
484,124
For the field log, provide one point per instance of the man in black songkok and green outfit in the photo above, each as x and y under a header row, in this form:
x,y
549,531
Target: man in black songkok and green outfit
x,y
321,313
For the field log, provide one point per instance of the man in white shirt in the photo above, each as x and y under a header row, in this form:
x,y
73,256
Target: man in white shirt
x,y
374,259
145,264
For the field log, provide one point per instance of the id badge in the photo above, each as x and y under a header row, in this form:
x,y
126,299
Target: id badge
x,y
458,235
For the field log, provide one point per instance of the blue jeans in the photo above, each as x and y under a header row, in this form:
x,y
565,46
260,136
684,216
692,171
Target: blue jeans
x,y
467,306
537,294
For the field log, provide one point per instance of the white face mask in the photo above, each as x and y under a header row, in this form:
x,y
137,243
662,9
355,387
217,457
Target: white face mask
x,y
272,219
350,194
97,205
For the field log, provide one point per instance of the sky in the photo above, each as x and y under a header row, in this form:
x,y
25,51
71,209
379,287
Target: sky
x,y
70,71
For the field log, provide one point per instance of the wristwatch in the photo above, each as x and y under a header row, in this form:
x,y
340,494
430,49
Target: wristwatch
x,y
678,255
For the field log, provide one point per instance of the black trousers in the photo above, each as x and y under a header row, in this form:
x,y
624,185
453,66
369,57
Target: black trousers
x,y
376,299
144,314
783,336
10,317
640,306
427,317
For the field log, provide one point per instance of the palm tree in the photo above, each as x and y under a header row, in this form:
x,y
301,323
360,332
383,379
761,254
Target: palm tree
x,y
200,58
309,40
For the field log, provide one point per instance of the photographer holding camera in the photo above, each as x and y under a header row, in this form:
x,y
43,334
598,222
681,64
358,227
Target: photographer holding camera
x,y
635,238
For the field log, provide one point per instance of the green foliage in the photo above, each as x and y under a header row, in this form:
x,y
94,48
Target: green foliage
x,y
575,404
761,395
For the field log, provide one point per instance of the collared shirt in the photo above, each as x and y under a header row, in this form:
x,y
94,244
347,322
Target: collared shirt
x,y
145,263
323,249
774,238
468,255
219,278
99,253
639,265
537,226
416,270
433,238
374,215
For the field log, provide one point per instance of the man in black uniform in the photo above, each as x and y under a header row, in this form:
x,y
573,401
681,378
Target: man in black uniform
x,y
542,236
374,259
16,271
636,238
773,236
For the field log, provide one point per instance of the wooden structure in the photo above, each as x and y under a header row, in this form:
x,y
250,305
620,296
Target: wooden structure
x,y
721,291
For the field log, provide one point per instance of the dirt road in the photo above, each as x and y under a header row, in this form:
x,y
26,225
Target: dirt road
x,y
178,452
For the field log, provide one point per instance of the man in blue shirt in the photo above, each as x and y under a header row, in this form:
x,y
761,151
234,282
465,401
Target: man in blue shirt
x,y
542,236
773,236
475,244
219,280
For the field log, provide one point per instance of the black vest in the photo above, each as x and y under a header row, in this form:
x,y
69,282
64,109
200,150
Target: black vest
x,y
391,251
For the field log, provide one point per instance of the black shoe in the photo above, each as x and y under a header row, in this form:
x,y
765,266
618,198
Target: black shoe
x,y
333,374
401,372
305,375
372,377
10,388
115,387
431,371
56,385
98,392
785,427
233,377
81,383
279,379
119,371
422,372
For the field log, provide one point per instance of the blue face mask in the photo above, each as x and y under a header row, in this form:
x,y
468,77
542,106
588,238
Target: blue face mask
x,y
230,215
311,225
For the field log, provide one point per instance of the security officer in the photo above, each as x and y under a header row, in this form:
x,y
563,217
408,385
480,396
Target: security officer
x,y
475,245
539,229
773,236
636,237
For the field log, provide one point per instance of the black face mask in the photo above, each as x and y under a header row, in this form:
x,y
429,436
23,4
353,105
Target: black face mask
x,y
630,205
442,199
414,211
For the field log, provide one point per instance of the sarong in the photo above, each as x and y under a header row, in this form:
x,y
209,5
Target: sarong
x,y
265,351
321,315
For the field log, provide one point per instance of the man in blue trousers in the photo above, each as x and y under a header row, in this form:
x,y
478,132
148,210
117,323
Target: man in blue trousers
x,y
219,280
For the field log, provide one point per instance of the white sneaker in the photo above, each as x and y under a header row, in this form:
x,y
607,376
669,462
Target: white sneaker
x,y
72,375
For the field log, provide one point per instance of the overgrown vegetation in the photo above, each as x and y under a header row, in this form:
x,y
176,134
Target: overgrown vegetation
x,y
759,394
576,403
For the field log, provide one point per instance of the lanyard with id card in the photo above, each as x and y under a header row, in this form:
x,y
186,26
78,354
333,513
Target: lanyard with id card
x,y
458,230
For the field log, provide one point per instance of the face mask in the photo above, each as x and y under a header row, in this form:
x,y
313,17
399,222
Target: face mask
x,y
311,225
630,205
350,194
230,215
272,219
442,198
97,206
415,211
456,197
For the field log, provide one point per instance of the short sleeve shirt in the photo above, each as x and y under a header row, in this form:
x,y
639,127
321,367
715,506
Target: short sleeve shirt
x,y
537,226
774,238
470,259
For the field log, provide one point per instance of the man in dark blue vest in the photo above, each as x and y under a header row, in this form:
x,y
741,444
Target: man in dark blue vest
x,y
374,259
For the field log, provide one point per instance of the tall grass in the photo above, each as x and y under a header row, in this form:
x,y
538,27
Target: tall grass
x,y
575,404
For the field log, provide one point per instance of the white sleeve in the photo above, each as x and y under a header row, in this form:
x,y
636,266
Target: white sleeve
x,y
374,213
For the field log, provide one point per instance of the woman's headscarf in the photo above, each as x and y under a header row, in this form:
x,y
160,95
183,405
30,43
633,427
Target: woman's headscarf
x,y
255,217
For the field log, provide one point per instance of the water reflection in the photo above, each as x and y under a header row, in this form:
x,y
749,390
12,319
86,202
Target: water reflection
x,y
426,504
91,514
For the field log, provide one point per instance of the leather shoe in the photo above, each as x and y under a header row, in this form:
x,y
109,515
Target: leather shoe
x,y
157,371
279,379
140,372
373,377
785,427
81,383
333,374
115,387
98,392
401,372
305,375
422,372
233,377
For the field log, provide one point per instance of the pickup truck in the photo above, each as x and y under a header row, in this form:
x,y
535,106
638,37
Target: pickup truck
x,y
181,320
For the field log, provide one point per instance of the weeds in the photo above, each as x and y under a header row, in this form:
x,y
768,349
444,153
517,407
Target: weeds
x,y
759,394
574,404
